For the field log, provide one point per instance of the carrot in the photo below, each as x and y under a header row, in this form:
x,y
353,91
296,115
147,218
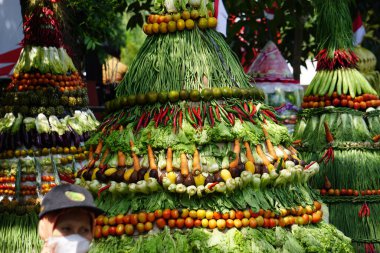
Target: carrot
x,y
169,160
196,163
104,156
235,162
98,149
152,163
329,136
120,155
263,157
91,153
249,152
376,138
283,151
270,148
136,161
184,165
102,161
296,142
293,150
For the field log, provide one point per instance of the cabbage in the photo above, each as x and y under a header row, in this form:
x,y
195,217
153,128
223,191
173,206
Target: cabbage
x,y
7,122
42,124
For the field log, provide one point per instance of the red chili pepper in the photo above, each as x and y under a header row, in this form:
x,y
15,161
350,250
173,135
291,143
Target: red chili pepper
x,y
175,122
240,112
253,111
246,107
217,112
197,116
231,118
158,117
147,119
103,189
211,116
270,114
140,122
180,119
308,166
164,112
212,185
190,113
241,119
166,120
204,113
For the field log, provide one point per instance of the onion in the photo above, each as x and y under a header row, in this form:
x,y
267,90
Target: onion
x,y
191,190
170,6
195,3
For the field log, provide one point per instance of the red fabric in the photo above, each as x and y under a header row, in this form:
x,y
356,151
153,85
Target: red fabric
x,y
216,8
4,71
10,56
357,23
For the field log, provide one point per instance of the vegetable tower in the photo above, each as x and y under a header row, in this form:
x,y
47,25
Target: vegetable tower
x,y
341,126
189,159
43,124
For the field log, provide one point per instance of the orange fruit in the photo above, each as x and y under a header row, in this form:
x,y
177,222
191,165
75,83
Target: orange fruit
x,y
155,28
202,23
212,22
189,24
172,26
185,15
180,25
163,27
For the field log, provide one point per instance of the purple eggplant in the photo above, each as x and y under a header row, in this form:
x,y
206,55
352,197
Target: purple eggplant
x,y
25,136
11,142
67,139
76,138
59,140
38,142
18,140
86,136
53,138
46,140
33,136
81,138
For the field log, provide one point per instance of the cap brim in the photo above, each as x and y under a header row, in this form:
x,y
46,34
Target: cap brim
x,y
93,209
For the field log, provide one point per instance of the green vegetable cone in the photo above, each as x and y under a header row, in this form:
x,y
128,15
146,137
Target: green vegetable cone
x,y
341,130
44,121
188,144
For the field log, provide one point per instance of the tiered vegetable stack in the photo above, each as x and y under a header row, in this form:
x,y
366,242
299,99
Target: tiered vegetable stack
x,y
341,127
44,123
189,148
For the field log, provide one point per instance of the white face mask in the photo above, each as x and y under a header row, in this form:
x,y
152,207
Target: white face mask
x,y
70,244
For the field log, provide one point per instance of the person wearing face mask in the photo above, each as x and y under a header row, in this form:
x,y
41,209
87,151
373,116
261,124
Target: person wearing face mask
x,y
67,219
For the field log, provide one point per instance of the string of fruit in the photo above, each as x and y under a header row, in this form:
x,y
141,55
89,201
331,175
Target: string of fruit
x,y
178,22
358,103
36,81
173,96
140,223
79,153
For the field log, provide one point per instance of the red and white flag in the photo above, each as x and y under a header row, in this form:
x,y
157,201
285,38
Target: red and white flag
x,y
221,14
11,36
358,29
269,12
